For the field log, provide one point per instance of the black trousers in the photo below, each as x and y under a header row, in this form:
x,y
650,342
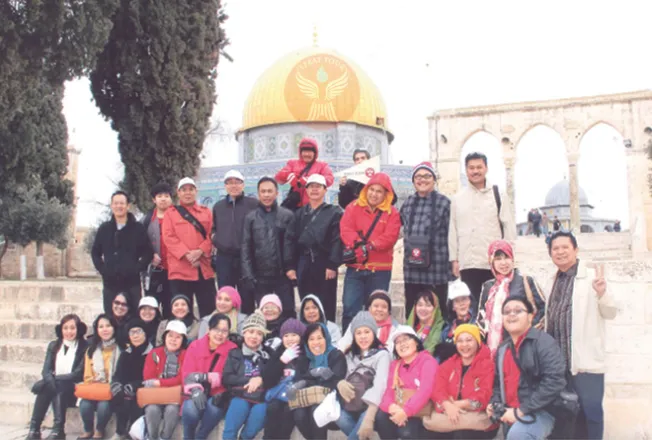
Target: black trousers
x,y
203,289
475,278
279,421
460,435
412,292
127,412
387,429
312,279
305,421
282,287
159,288
228,271
132,293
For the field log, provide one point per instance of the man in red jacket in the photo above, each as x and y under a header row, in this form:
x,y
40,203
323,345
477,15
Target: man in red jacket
x,y
370,251
297,171
186,230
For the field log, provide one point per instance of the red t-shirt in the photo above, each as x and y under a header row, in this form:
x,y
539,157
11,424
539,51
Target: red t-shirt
x,y
164,250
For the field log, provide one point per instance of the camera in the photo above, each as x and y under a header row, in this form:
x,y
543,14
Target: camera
x,y
499,412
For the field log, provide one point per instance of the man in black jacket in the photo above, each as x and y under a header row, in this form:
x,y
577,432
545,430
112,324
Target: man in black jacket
x,y
262,247
120,252
228,220
313,249
529,374
350,189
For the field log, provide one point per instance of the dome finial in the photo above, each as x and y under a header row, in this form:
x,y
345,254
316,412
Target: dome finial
x,y
314,35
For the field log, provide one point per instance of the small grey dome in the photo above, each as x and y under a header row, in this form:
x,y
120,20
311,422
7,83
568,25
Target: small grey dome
x,y
559,195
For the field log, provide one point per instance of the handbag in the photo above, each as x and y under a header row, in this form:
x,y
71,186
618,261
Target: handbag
x,y
159,396
362,378
310,396
403,395
279,392
93,391
468,421
417,247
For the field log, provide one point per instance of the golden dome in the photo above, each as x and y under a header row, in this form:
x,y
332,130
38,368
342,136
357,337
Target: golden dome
x,y
314,85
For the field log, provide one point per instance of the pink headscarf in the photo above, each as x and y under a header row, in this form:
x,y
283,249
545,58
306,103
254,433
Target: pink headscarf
x,y
233,294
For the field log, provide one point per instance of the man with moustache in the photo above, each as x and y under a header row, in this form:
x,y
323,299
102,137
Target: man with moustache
x,y
480,214
263,237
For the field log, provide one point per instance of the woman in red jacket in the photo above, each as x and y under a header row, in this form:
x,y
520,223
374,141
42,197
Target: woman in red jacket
x,y
463,387
370,266
163,369
202,377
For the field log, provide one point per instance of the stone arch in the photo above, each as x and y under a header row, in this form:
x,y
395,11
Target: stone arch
x,y
485,142
541,163
592,125
468,136
602,173
532,127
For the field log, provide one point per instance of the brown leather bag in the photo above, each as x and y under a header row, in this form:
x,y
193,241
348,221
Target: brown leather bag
x,y
469,420
402,395
93,391
159,396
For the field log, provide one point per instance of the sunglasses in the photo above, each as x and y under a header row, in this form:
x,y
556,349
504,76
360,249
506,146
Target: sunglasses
x,y
120,304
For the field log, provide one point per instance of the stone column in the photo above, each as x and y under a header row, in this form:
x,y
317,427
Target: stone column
x,y
574,189
511,191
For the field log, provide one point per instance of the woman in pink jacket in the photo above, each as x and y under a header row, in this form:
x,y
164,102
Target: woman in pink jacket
x,y
416,370
202,378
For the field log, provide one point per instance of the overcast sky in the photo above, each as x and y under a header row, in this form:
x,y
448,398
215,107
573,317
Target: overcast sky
x,y
424,56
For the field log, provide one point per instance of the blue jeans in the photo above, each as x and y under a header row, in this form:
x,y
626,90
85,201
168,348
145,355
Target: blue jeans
x,y
191,417
539,430
590,389
241,412
87,409
349,423
358,285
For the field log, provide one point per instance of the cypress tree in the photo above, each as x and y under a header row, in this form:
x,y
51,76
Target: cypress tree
x,y
154,81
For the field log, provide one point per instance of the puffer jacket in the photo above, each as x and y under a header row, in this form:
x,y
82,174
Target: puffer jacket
x,y
199,358
318,237
542,371
263,236
155,367
358,218
239,369
296,166
228,219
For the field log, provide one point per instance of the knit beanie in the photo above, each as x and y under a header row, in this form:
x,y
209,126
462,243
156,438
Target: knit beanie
x,y
270,298
364,319
380,294
471,329
255,321
292,325
183,297
424,166
233,294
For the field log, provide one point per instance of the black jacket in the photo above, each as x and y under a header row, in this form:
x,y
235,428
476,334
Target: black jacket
x,y
517,289
318,237
235,377
349,192
263,236
336,362
228,220
542,371
77,373
275,369
120,256
131,365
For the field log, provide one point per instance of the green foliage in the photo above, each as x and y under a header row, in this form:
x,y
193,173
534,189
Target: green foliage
x,y
154,81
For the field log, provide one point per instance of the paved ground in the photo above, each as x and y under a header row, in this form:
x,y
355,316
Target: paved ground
x,y
17,432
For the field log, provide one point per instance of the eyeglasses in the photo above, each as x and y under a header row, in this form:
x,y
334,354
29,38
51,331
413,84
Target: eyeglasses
x,y
517,312
233,183
136,331
120,304
220,331
403,341
423,176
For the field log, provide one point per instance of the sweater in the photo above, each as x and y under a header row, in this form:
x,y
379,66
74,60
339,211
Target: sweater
x,y
379,361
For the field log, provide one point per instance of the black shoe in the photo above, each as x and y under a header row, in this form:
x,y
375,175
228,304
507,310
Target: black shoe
x,y
34,434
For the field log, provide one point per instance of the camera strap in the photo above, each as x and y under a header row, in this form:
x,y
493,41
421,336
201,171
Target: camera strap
x,y
365,238
501,361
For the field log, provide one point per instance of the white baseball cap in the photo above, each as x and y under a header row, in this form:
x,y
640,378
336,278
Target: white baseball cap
x,y
316,178
186,181
403,330
177,326
458,289
148,301
233,174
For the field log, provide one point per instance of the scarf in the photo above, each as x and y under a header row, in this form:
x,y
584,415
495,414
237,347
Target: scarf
x,y
101,375
171,367
188,320
254,354
384,329
233,316
560,311
65,357
320,360
494,314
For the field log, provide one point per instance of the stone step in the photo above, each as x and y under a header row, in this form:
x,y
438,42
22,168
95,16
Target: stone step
x,y
34,291
21,329
24,350
49,310
19,375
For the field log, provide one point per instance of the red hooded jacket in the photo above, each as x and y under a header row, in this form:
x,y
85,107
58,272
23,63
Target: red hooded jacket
x,y
296,166
359,217
477,384
199,358
154,369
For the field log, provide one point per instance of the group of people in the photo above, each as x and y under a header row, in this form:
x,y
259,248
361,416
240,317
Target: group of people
x,y
481,344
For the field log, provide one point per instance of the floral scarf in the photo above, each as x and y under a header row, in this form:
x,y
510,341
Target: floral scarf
x,y
497,296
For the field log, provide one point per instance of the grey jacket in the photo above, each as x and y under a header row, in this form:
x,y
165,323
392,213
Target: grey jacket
x,y
379,361
153,231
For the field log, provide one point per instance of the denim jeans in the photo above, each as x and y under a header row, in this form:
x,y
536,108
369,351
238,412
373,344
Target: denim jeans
x,y
241,412
539,430
191,417
349,423
358,285
87,409
590,389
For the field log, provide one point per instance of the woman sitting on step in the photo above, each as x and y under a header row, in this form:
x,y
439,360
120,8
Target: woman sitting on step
x,y
181,311
312,311
163,369
63,367
99,366
149,312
